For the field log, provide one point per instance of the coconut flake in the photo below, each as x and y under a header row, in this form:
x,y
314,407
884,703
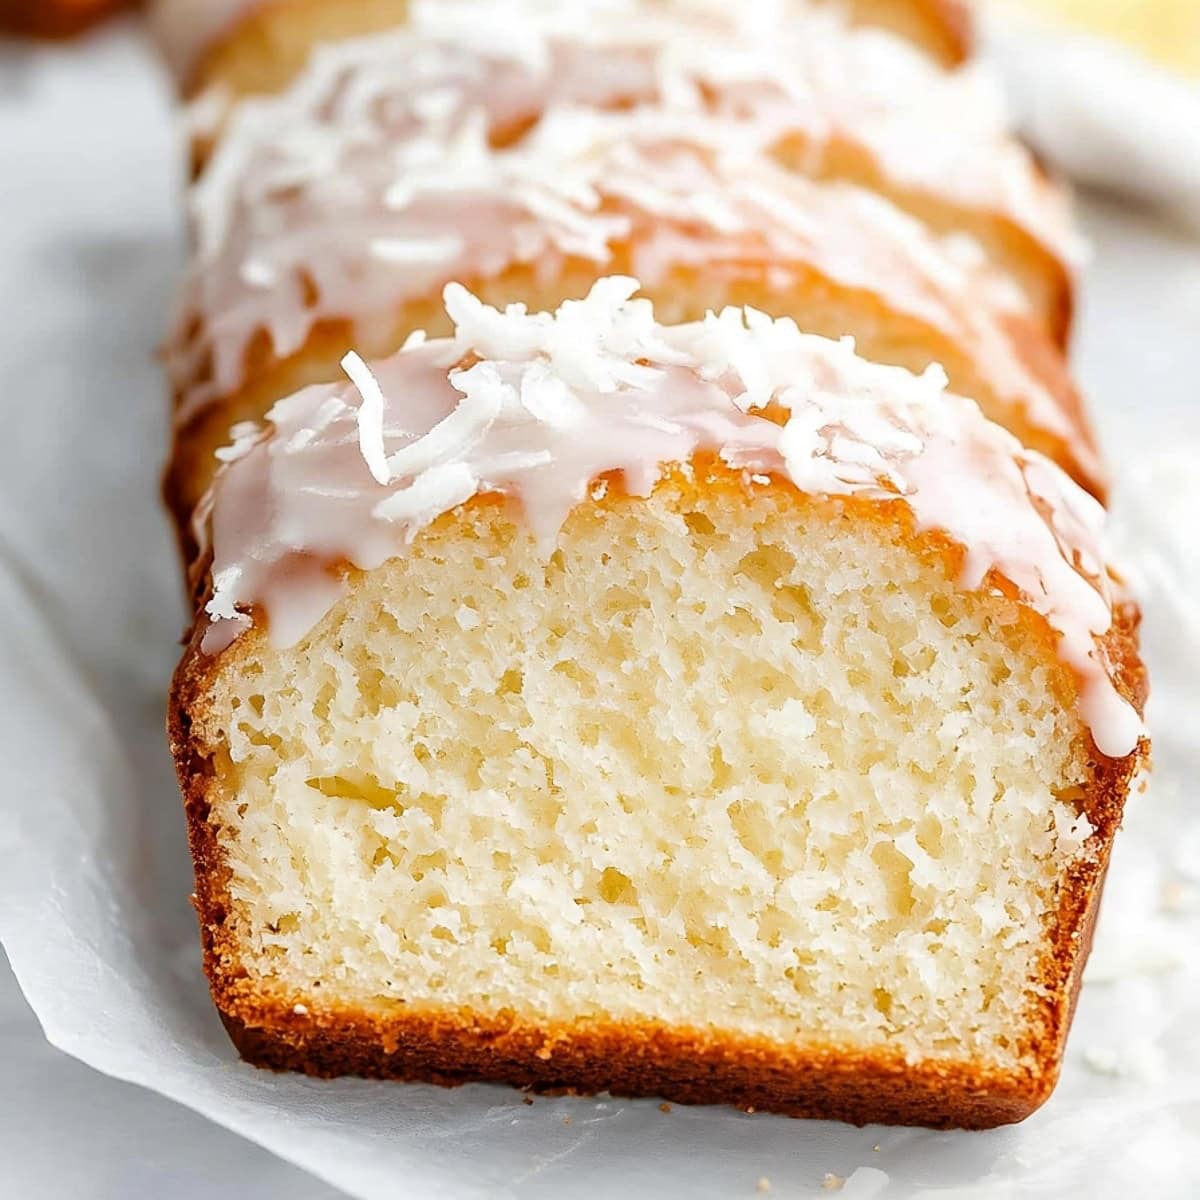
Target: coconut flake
x,y
244,435
370,416
484,397
547,397
410,251
433,492
258,273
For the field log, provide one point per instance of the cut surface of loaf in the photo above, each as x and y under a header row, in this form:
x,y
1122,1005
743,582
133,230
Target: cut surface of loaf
x,y
781,716
254,46
296,262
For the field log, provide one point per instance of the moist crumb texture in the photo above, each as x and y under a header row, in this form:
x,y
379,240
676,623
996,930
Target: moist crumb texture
x,y
727,761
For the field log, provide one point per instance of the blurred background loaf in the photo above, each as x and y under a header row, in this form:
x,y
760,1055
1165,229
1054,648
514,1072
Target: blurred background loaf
x,y
1167,31
56,18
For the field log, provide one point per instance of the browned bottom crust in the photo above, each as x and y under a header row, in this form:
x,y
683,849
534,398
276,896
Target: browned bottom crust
x,y
646,1059
682,1065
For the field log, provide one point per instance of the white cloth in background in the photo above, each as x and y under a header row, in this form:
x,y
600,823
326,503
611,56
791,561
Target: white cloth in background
x,y
1100,113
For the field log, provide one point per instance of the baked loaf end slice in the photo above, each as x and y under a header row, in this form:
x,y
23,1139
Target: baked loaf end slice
x,y
254,46
699,711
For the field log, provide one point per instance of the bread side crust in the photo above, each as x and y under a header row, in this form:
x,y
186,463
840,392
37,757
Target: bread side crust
x,y
55,18
1043,272
945,29
258,54
452,1046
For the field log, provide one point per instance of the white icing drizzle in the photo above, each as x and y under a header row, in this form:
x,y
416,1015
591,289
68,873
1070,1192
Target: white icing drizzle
x,y
537,406
348,214
372,180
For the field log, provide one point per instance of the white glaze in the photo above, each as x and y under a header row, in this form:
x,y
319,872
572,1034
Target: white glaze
x,y
778,72
536,407
933,131
379,205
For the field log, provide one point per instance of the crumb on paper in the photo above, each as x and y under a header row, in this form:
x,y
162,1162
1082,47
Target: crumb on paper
x,y
763,1184
526,1099
1178,897
1102,1060
1153,955
876,1147
664,1107
832,1182
568,1120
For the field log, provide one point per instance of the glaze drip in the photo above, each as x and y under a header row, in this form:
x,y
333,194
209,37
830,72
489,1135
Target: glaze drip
x,y
536,407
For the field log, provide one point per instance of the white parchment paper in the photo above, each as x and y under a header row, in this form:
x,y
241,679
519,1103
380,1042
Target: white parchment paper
x,y
94,875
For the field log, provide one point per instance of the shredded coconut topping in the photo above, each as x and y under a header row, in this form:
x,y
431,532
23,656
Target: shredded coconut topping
x,y
538,406
374,179
370,417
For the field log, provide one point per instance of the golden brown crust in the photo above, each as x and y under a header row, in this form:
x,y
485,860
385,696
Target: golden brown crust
x,y
55,18
1046,363
1057,273
690,1066
954,19
683,1065
272,42
945,29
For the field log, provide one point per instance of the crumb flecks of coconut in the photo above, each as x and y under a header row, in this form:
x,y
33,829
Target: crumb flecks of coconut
x,y
538,406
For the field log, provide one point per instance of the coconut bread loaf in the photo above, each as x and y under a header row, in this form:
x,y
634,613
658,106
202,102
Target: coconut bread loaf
x,y
652,628
698,711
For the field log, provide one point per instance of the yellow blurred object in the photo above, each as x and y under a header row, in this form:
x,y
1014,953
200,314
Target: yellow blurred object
x,y
1166,30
